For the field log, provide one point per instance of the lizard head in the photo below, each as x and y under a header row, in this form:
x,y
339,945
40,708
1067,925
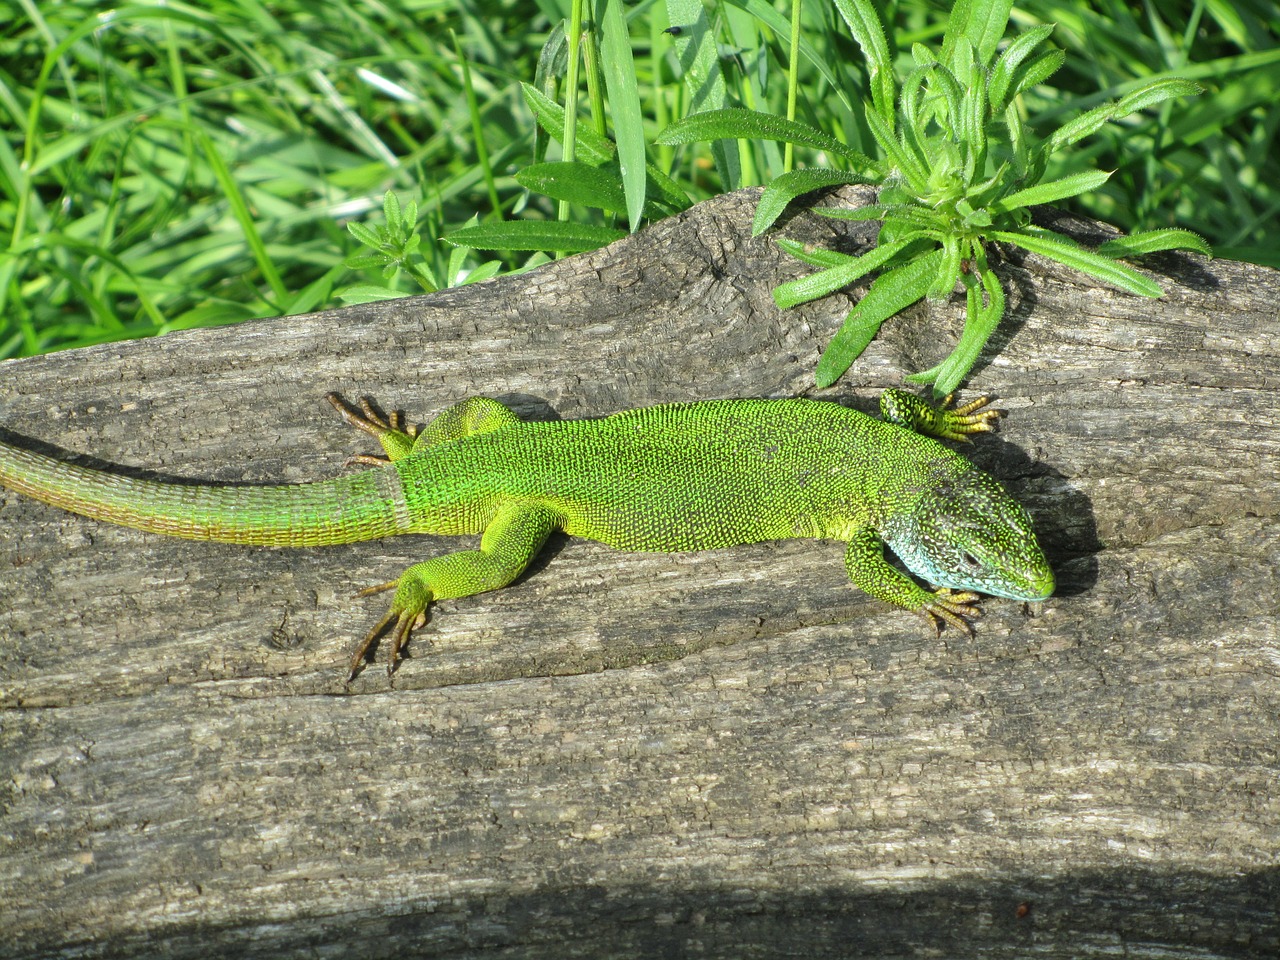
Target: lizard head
x,y
969,534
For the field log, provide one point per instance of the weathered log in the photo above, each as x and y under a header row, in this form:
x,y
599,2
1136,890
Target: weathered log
x,y
722,754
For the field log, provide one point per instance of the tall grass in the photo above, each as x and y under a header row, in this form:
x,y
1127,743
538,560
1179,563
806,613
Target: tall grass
x,y
168,166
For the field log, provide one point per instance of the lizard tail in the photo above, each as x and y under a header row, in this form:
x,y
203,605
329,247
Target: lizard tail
x,y
362,506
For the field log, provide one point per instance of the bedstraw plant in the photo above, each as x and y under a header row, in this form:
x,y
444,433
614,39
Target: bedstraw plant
x,y
960,169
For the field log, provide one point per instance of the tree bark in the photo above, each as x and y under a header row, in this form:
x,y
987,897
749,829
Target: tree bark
x,y
731,753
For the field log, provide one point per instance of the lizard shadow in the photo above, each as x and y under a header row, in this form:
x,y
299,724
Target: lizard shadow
x,y
91,462
1064,519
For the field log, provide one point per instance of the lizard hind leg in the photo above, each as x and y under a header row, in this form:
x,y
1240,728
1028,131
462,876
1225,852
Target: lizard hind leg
x,y
510,542
470,416
397,439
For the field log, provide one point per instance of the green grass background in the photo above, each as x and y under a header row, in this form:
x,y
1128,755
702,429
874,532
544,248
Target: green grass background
x,y
172,166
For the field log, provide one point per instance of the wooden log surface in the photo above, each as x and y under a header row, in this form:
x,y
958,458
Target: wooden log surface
x,y
732,753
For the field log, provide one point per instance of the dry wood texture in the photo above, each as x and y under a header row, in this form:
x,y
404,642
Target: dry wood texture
x,y
725,754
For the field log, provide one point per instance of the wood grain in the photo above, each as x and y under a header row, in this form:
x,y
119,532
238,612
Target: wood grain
x,y
723,754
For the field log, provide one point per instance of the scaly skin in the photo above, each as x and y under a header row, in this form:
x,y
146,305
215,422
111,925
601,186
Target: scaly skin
x,y
689,476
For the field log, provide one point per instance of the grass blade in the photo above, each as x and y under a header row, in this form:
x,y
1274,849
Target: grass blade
x,y
240,210
624,105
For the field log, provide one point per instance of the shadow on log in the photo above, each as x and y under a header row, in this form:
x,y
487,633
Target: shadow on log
x,y
727,754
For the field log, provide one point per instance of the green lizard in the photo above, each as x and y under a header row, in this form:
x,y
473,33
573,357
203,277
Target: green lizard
x,y
683,476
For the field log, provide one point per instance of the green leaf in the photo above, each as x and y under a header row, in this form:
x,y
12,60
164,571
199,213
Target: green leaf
x,y
665,191
788,186
864,24
1064,251
957,24
913,107
973,130
596,150
982,23
1052,191
486,270
892,292
909,218
981,321
954,93
1036,71
987,22
391,210
733,123
624,104
600,187
795,292
872,211
1151,241
1091,120
368,293
1010,60
590,146
366,262
815,257
1156,92
534,235
899,156
365,234
579,183
948,270
1018,138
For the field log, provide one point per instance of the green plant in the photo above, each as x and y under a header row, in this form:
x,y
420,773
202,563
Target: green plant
x,y
592,175
395,249
960,170
166,166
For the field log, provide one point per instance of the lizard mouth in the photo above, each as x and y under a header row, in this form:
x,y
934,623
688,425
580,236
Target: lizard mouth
x,y
1038,585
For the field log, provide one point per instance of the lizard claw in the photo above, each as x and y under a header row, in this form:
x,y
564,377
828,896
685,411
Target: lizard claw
x,y
958,422
408,612
391,431
369,420
956,607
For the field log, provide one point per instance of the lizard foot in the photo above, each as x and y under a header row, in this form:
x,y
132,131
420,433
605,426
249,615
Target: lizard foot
x,y
391,431
958,423
956,607
938,420
408,612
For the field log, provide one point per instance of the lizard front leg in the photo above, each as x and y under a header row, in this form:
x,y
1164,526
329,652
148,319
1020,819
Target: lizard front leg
x,y
870,572
510,542
941,421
